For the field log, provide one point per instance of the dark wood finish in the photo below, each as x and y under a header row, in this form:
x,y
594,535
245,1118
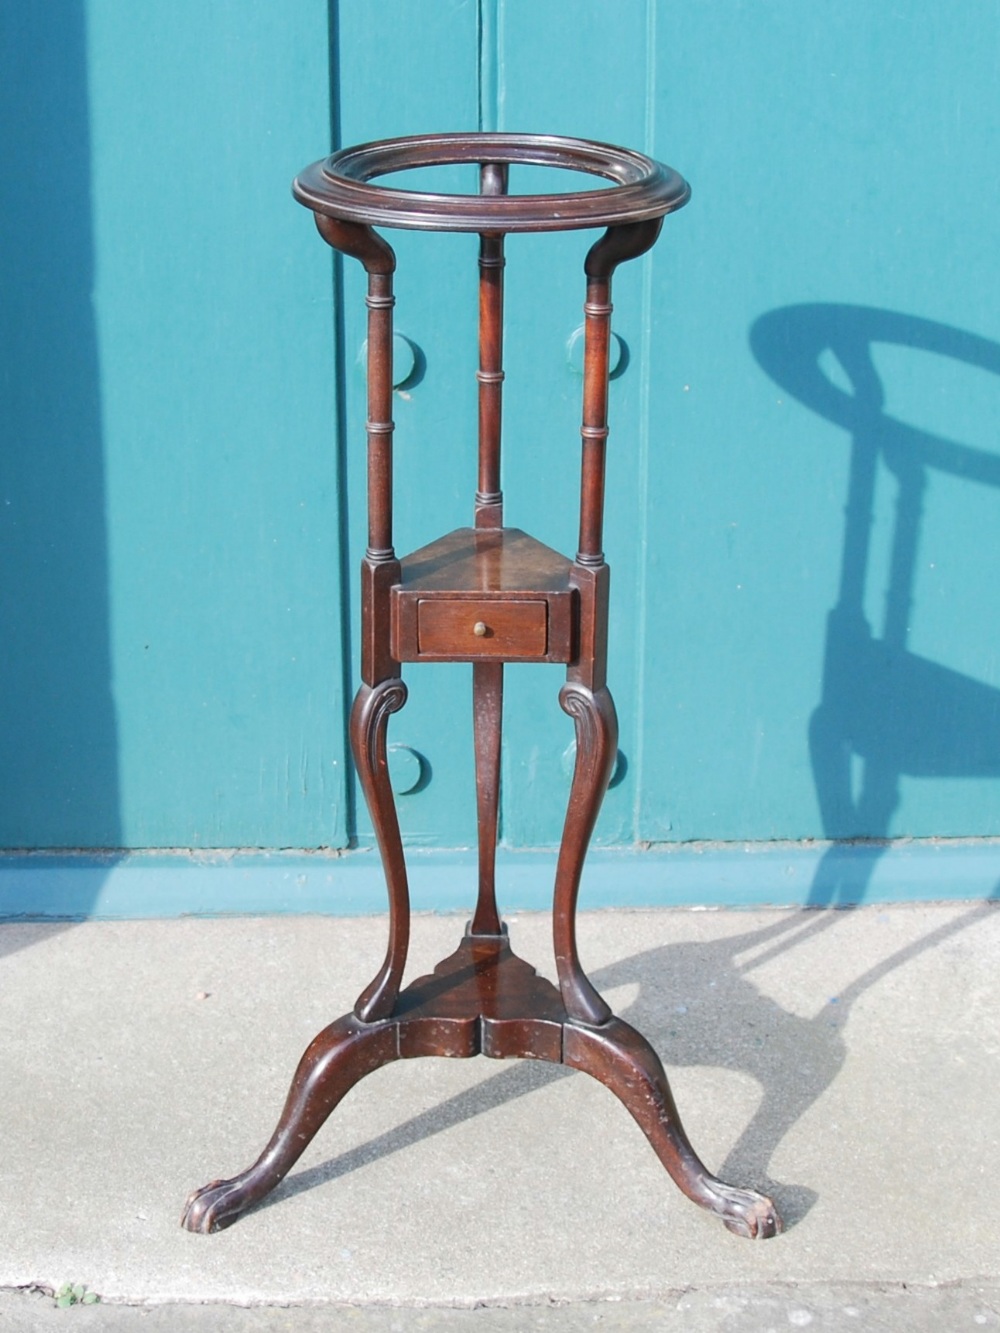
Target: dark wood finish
x,y
471,563
489,500
360,242
481,1000
596,723
378,660
499,578
589,666
338,1058
487,677
486,595
614,247
623,1060
369,720
487,718
338,186
448,629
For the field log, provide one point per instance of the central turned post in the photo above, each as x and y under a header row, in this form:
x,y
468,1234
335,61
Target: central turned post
x,y
487,677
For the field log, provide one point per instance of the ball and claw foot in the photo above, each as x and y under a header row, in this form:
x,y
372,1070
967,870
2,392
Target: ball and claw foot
x,y
215,1206
744,1212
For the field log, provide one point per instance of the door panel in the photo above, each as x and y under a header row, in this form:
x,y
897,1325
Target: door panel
x,y
725,526
830,174
176,475
174,513
404,73
812,159
219,419
587,86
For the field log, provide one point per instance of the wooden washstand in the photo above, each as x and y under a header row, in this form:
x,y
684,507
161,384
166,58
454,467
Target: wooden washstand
x,y
486,595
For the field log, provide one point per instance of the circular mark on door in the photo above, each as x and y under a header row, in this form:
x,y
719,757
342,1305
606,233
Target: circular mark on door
x,y
409,771
617,773
617,354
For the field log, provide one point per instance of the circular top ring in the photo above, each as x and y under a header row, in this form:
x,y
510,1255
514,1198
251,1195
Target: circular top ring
x,y
339,185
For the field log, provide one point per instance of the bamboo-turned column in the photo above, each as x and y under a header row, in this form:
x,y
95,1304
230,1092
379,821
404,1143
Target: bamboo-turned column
x,y
379,568
615,246
594,431
487,677
376,254
489,500
379,425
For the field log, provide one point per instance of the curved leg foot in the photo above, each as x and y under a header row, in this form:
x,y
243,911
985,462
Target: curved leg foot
x,y
622,1059
743,1212
369,721
337,1059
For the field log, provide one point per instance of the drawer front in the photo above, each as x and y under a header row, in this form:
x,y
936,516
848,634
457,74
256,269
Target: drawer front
x,y
452,628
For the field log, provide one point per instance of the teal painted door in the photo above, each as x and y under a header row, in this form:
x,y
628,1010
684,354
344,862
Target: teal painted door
x,y
782,669
399,69
172,667
803,475
435,410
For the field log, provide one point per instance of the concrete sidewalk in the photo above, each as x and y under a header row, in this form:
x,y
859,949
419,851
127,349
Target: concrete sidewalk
x,y
846,1062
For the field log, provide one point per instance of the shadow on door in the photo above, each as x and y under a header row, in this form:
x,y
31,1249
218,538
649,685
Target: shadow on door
x,y
885,712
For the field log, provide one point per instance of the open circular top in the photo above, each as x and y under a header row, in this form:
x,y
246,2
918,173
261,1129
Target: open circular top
x,y
339,185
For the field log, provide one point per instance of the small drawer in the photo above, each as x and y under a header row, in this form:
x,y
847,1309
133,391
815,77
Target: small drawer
x,y
449,627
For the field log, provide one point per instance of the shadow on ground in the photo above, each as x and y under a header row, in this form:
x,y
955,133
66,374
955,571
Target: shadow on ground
x,y
793,1059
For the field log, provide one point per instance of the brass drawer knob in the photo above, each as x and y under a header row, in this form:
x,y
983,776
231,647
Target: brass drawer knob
x,y
479,629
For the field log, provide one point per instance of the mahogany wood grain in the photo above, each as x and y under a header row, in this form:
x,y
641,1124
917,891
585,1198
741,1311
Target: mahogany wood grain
x,y
596,725
338,186
510,631
507,563
375,253
589,664
623,1060
379,425
378,661
333,1063
615,246
518,588
481,1000
369,719
487,718
489,500
486,595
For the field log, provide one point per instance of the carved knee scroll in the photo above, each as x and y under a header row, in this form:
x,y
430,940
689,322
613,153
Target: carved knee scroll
x,y
337,1059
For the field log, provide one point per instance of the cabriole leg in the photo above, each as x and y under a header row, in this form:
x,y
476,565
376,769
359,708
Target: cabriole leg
x,y
369,721
337,1059
622,1059
593,713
